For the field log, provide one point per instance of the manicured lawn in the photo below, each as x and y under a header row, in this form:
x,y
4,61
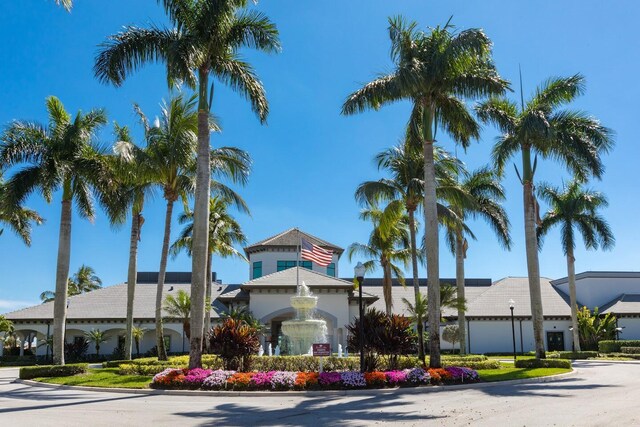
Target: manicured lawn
x,y
511,373
106,377
510,357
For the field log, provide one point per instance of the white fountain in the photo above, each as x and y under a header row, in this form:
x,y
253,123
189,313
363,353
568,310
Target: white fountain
x,y
304,330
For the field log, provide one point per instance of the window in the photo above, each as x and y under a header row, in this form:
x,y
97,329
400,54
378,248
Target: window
x,y
331,269
257,270
283,265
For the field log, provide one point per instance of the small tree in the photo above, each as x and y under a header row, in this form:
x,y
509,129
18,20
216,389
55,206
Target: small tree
x,y
594,327
235,341
179,306
97,337
389,336
137,332
451,333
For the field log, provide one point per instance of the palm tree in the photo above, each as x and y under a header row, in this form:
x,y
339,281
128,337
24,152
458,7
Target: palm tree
x,y
404,190
97,337
67,4
137,333
433,70
135,184
541,128
387,246
484,193
171,151
224,233
60,156
571,209
18,218
179,307
84,280
204,41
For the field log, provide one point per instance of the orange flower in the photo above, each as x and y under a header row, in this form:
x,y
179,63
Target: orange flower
x,y
305,379
240,378
375,378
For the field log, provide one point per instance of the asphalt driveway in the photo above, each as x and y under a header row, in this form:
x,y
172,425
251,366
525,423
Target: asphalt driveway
x,y
600,393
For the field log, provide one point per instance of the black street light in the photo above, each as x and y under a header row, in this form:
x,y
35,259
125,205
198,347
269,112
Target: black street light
x,y
359,271
512,305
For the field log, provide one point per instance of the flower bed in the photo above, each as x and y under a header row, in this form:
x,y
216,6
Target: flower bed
x,y
287,380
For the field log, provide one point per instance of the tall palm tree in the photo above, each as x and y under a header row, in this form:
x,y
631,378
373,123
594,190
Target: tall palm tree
x,y
171,155
541,128
404,189
433,71
179,307
386,247
18,218
203,42
484,193
224,233
573,208
60,156
134,186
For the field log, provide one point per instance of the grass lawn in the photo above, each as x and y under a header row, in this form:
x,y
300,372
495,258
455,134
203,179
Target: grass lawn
x,y
510,357
106,377
510,373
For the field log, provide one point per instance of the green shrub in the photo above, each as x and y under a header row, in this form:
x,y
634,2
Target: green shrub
x,y
577,354
133,369
468,357
611,346
630,350
53,371
543,363
482,364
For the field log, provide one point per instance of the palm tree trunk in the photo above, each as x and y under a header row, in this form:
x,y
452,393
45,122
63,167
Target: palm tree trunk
x,y
162,351
62,275
431,239
200,225
416,281
207,313
571,270
460,292
533,266
131,280
386,287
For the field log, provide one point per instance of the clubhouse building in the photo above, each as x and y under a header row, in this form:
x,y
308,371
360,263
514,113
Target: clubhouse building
x,y
274,271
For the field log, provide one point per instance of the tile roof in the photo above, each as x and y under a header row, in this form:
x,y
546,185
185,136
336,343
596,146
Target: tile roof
x,y
110,302
291,238
400,292
494,302
624,304
287,278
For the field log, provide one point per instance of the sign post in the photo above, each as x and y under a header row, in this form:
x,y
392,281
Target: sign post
x,y
321,350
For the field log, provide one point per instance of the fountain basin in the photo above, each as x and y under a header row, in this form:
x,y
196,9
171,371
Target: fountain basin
x,y
304,302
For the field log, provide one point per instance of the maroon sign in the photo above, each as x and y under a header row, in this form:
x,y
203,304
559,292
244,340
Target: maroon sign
x,y
322,350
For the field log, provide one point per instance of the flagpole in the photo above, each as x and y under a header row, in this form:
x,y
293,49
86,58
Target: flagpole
x,y
298,260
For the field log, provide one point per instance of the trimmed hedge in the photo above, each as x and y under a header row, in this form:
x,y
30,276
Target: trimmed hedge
x,y
543,363
577,355
610,346
53,371
630,350
482,364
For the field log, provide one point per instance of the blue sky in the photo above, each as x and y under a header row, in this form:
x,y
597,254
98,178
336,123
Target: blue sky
x,y
309,159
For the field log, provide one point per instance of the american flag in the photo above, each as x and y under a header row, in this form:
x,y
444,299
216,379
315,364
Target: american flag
x,y
315,253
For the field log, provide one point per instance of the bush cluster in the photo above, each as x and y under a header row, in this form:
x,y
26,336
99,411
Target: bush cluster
x,y
543,363
28,373
577,354
630,350
291,380
611,346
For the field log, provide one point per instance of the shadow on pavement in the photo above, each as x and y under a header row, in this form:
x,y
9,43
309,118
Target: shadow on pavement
x,y
313,411
543,389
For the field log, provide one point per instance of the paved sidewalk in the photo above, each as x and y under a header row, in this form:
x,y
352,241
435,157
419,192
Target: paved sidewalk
x,y
601,393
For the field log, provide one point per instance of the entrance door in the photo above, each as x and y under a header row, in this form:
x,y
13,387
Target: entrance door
x,y
555,341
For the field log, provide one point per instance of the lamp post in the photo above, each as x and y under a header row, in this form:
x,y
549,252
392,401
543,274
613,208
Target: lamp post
x,y
359,271
512,305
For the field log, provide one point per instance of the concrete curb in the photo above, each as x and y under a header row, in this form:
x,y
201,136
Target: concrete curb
x,y
367,392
